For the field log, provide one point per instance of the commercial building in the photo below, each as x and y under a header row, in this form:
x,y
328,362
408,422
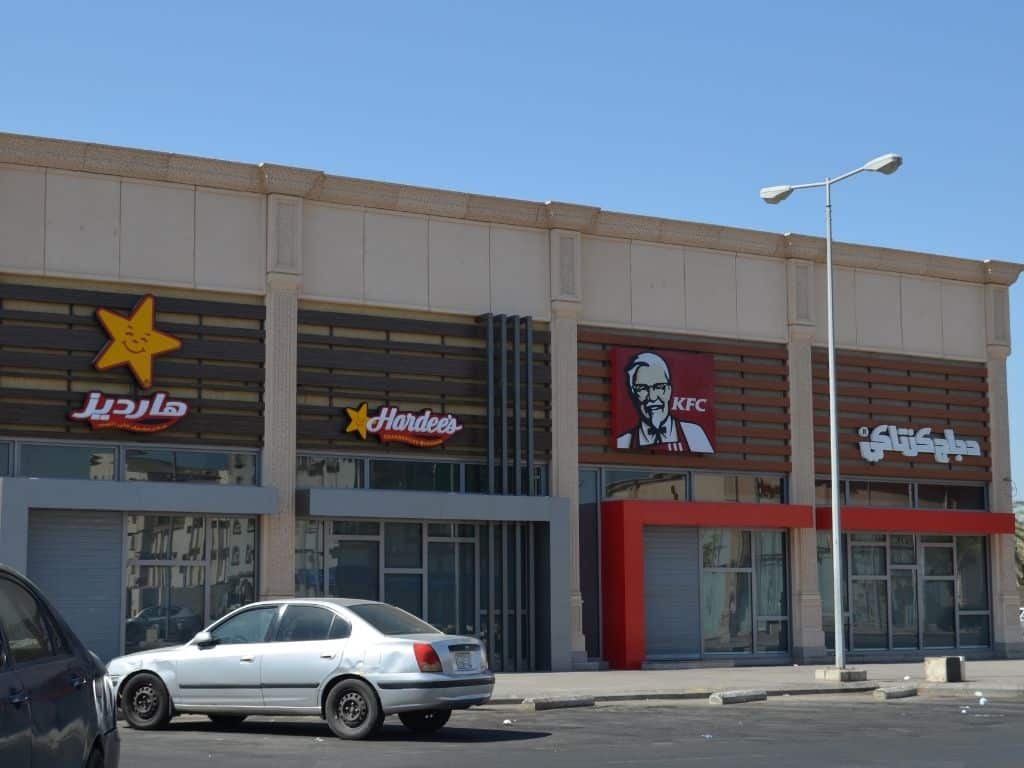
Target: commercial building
x,y
584,436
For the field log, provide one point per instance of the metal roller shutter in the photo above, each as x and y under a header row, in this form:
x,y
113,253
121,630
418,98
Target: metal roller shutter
x,y
672,592
75,558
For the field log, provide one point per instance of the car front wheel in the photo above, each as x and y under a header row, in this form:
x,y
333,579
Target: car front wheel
x,y
145,702
425,721
352,710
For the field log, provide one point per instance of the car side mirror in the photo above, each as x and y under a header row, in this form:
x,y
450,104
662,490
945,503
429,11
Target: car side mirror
x,y
204,640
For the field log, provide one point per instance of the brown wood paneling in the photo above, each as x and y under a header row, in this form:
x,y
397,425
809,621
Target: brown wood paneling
x,y
751,403
906,392
411,363
49,337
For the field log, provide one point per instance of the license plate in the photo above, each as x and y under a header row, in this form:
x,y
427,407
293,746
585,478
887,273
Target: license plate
x,y
463,661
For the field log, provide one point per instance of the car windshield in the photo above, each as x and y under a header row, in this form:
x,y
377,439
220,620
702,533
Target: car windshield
x,y
389,620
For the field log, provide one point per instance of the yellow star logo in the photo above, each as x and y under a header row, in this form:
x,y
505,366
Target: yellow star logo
x,y
357,418
133,341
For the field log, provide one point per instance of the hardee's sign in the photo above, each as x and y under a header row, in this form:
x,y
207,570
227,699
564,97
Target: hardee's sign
x,y
423,429
133,342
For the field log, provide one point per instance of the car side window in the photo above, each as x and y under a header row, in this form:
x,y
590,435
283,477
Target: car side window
x,y
304,622
248,627
340,629
26,625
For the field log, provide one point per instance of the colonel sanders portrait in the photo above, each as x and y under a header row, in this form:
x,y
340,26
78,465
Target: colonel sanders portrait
x,y
649,381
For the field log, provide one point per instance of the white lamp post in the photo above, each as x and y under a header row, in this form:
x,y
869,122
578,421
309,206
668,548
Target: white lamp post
x,y
885,164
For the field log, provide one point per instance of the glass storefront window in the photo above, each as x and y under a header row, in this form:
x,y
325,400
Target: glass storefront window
x,y
904,608
232,545
965,497
633,484
870,613
328,472
353,569
166,537
404,590
938,561
403,545
414,475
5,459
165,605
441,586
725,548
771,573
972,573
309,558
868,560
69,461
872,493
974,630
162,465
939,614
355,528
902,549
726,612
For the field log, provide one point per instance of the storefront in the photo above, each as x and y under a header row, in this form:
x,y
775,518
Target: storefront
x,y
588,438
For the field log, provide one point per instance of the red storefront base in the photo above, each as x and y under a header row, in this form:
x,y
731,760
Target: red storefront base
x,y
879,520
622,558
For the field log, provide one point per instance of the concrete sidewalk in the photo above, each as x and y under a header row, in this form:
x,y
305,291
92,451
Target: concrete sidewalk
x,y
993,678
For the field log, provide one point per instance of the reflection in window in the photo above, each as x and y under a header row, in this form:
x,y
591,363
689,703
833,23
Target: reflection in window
x,y
632,484
190,466
414,476
232,543
5,459
328,472
166,537
309,558
727,612
353,569
875,494
725,548
165,605
70,461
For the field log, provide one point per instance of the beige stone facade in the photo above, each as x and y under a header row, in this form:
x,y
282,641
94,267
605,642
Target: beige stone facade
x,y
157,221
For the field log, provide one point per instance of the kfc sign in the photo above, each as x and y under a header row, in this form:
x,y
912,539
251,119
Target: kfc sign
x,y
424,429
663,401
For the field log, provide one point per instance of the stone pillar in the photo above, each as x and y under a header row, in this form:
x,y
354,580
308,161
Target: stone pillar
x,y
1005,598
808,637
284,279
565,456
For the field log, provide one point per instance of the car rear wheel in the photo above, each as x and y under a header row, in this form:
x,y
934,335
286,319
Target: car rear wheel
x,y
352,710
145,702
227,721
425,721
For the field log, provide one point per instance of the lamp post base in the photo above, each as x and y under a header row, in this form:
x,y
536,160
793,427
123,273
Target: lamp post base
x,y
833,675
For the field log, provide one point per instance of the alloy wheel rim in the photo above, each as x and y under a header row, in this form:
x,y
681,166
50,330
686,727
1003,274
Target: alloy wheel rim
x,y
352,709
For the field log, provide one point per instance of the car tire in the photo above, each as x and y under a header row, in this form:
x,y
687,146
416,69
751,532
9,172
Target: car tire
x,y
352,710
425,720
227,721
145,702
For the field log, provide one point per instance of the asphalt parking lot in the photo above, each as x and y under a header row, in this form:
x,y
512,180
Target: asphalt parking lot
x,y
797,731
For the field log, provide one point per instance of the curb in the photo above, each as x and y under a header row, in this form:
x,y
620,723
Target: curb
x,y
895,692
737,697
542,703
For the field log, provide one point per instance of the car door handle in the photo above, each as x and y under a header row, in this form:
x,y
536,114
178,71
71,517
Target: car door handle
x,y
17,698
247,659
77,681
327,655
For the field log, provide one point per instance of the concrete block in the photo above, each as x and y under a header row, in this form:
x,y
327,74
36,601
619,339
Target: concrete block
x,y
737,697
833,675
557,702
945,669
895,692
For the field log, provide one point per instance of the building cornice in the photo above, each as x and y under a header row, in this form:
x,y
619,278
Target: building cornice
x,y
269,178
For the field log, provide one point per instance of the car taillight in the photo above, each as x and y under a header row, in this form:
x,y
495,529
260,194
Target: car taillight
x,y
427,657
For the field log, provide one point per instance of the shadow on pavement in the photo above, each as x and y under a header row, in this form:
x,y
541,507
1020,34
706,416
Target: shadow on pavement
x,y
391,732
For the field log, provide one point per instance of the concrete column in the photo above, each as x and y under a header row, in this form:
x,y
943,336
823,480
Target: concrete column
x,y
808,637
565,452
1005,598
284,279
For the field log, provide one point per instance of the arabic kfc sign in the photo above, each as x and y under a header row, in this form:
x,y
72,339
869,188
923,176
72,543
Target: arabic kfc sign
x,y
422,429
133,342
909,442
663,401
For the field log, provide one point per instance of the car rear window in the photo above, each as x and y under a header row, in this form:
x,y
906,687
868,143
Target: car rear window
x,y
389,620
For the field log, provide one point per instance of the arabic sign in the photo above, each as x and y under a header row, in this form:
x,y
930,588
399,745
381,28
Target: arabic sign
x,y
422,429
135,415
910,443
663,401
133,341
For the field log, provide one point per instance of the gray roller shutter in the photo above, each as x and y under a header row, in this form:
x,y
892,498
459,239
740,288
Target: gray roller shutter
x,y
75,558
671,592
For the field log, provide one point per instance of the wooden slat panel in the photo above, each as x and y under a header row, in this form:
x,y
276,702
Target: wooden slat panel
x,y
655,341
672,460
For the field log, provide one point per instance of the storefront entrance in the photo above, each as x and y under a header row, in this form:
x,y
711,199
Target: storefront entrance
x,y
671,592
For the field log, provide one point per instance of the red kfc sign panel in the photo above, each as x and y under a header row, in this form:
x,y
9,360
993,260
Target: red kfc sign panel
x,y
663,401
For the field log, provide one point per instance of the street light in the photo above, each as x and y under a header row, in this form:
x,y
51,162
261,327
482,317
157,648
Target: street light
x,y
773,195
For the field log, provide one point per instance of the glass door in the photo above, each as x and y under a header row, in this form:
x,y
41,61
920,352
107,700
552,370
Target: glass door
x,y
938,592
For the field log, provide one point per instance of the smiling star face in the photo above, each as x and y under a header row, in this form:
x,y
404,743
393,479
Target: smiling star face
x,y
134,341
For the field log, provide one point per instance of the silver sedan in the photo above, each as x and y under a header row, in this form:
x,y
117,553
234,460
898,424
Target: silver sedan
x,y
352,662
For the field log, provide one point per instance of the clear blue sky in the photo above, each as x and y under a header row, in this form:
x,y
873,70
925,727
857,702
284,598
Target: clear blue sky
x,y
671,109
